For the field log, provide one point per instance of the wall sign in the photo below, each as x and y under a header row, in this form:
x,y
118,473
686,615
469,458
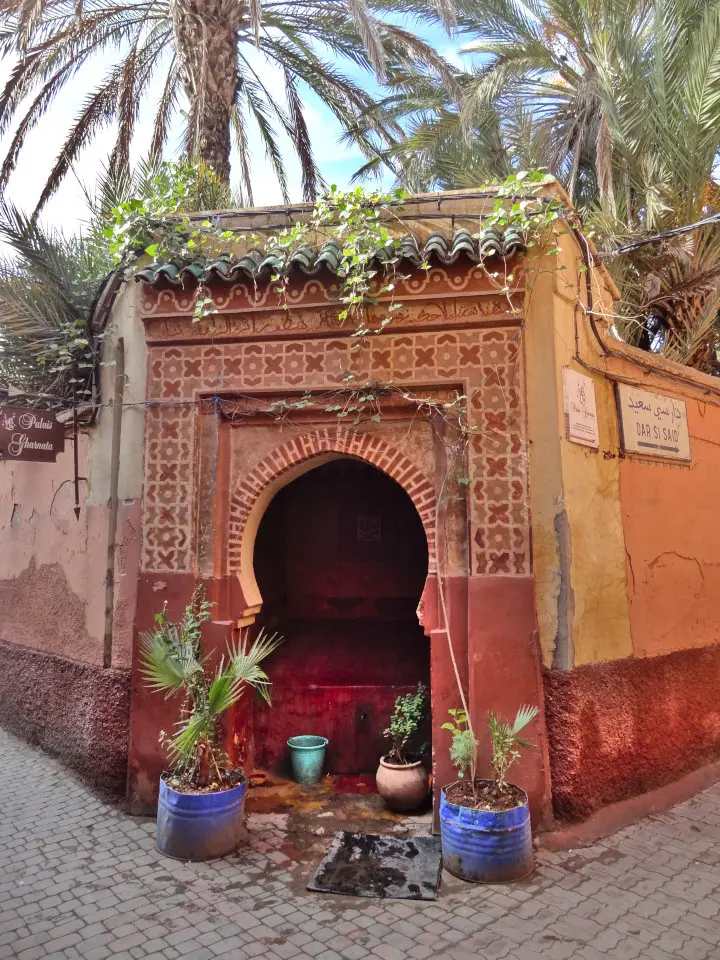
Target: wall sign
x,y
581,424
653,424
27,434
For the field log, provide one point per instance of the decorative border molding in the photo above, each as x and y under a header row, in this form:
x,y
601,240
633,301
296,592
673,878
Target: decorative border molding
x,y
363,446
437,282
487,363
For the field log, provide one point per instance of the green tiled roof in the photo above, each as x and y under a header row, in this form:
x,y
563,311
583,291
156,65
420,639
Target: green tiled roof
x,y
258,265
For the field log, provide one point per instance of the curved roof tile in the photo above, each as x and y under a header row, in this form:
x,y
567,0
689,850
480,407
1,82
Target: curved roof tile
x,y
258,265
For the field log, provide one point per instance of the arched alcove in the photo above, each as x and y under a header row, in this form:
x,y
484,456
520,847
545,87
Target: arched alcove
x,y
288,462
341,560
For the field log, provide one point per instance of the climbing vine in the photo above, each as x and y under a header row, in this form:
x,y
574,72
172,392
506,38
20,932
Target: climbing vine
x,y
369,241
366,228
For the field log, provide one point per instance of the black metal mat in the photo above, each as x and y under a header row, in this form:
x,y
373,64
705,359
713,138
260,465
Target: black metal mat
x,y
366,865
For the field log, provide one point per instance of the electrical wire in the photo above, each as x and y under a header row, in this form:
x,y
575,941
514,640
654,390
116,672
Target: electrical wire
x,y
665,235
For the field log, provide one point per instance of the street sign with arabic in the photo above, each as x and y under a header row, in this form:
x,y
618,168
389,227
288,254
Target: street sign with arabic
x,y
653,424
28,434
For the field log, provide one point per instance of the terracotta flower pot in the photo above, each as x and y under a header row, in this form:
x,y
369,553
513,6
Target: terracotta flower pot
x,y
403,786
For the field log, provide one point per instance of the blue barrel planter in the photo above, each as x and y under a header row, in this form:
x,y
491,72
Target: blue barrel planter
x,y
483,846
199,826
307,755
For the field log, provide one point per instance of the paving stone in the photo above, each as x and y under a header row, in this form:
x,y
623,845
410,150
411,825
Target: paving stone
x,y
80,880
313,949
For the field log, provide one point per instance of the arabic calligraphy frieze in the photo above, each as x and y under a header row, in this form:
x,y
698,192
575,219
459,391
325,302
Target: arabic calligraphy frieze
x,y
270,323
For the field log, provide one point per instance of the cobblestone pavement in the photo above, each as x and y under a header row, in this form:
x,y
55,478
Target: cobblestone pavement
x,y
79,878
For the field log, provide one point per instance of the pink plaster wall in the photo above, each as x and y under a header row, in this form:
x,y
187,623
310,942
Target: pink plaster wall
x,y
54,689
52,565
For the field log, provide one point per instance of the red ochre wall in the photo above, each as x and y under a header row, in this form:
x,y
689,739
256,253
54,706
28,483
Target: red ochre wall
x,y
624,727
54,690
455,335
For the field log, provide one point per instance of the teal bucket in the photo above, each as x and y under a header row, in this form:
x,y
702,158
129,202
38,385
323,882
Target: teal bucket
x,y
307,755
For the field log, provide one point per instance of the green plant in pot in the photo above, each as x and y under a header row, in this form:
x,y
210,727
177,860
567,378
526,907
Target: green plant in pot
x,y
402,778
200,807
485,824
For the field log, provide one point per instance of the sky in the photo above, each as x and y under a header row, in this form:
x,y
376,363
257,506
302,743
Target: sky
x,y
68,209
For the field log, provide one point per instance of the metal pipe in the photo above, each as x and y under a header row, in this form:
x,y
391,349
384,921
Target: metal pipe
x,y
117,412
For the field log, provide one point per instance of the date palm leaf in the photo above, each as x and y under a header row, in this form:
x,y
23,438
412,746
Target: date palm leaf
x,y
207,57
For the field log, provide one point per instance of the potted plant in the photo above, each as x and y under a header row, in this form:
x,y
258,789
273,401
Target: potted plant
x,y
485,824
200,807
402,779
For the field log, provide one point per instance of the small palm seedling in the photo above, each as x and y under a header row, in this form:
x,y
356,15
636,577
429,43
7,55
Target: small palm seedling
x,y
172,663
505,742
404,723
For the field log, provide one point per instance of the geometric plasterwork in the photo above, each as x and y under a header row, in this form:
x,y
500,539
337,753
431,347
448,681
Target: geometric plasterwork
x,y
480,354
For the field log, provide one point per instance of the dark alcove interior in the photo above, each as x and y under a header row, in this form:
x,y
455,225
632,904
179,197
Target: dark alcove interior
x,y
341,560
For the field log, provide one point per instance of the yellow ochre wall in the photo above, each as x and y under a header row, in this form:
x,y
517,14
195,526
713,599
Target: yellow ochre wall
x,y
578,547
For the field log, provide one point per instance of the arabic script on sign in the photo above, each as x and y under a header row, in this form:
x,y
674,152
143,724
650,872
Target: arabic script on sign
x,y
653,424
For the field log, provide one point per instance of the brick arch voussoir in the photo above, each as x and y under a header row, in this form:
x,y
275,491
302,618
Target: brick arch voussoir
x,y
299,450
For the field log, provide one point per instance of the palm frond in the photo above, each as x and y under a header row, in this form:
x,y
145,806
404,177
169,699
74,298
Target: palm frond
x,y
239,126
225,690
301,138
98,110
369,31
165,110
523,717
246,657
47,290
166,663
190,732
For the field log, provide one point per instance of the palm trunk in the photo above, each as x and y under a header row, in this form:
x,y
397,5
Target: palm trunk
x,y
604,165
206,45
574,170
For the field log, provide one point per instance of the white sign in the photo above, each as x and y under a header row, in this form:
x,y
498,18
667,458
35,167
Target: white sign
x,y
653,424
581,424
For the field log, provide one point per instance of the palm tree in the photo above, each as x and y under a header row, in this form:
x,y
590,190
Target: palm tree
x,y
49,286
213,57
173,663
620,99
443,149
562,59
663,113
